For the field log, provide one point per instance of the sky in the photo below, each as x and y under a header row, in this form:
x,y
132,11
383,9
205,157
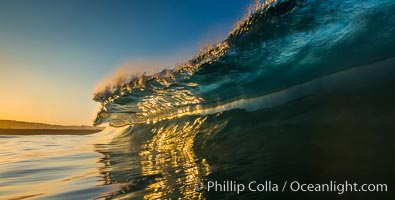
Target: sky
x,y
54,53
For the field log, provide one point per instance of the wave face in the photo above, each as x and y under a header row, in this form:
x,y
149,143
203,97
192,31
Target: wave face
x,y
279,45
299,90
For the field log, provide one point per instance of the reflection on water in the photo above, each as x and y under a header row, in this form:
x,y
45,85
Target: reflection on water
x,y
157,162
154,161
339,135
48,167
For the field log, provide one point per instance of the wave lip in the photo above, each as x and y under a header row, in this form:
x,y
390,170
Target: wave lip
x,y
277,45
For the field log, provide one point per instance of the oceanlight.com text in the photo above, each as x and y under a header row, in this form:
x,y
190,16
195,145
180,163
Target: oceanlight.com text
x,y
291,186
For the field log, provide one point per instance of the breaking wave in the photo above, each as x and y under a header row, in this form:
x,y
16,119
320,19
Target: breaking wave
x,y
279,45
299,90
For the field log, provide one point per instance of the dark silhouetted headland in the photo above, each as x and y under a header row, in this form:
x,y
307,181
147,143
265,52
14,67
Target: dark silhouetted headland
x,y
11,127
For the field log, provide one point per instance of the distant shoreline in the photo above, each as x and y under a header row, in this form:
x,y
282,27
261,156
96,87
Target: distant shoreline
x,y
4,131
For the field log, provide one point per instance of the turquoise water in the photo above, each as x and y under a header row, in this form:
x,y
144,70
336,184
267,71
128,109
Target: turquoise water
x,y
298,91
341,134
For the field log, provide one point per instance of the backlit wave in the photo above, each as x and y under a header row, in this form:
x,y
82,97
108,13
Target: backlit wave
x,y
280,51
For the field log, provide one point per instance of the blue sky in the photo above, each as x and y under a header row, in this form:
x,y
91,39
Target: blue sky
x,y
53,53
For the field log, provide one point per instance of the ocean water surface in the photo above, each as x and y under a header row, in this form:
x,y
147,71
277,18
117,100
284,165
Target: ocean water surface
x,y
49,167
298,91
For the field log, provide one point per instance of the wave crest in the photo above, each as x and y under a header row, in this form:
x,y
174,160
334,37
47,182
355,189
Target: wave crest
x,y
277,45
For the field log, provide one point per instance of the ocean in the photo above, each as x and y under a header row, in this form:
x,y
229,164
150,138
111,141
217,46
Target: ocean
x,y
300,92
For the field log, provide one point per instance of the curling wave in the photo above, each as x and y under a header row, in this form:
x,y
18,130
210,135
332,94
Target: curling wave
x,y
299,90
281,51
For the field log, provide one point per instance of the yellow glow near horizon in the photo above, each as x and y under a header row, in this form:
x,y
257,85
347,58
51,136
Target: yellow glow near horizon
x,y
53,110
24,96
